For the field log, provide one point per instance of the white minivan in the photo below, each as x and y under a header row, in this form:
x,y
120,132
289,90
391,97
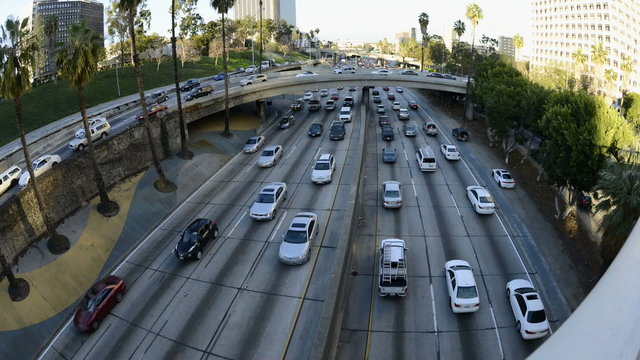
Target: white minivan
x,y
345,114
426,159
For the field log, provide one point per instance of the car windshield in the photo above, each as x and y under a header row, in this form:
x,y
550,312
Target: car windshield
x,y
295,237
189,238
452,150
507,176
535,317
486,199
322,166
392,193
88,304
265,199
336,128
284,121
252,141
267,153
410,128
467,292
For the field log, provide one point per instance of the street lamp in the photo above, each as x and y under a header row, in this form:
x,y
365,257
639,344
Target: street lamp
x,y
260,64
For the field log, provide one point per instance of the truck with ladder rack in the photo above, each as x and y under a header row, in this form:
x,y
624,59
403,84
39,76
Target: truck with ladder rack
x,y
392,268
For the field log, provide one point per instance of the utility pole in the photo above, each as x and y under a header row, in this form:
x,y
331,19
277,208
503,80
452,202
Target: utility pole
x,y
260,64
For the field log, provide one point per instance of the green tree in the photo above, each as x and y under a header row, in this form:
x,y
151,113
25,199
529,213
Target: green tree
x,y
619,186
385,46
77,61
518,43
599,57
474,15
610,77
222,7
17,60
438,52
423,20
627,68
130,8
631,107
409,48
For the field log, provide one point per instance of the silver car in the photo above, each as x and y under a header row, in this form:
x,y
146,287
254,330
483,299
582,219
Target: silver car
x,y
269,198
392,194
253,144
270,155
296,243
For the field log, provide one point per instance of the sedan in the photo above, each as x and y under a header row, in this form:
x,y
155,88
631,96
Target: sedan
x,y
399,90
450,152
388,155
375,92
307,73
380,109
270,155
195,238
384,120
322,172
335,96
408,72
157,97
218,77
315,130
403,114
503,178
395,105
324,93
330,105
461,285
431,128
410,129
251,79
385,88
528,310
391,194
413,105
377,99
390,96
460,134
153,111
269,198
286,122
98,302
296,105
40,165
481,200
295,248
435,75
352,88
253,144
307,96
189,84
382,72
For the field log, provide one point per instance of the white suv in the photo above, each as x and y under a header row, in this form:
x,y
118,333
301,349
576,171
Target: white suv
x,y
253,79
9,178
345,114
323,170
99,130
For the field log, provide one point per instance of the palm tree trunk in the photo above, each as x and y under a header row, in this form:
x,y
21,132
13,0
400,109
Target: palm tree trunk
x,y
162,184
57,244
18,288
226,132
106,207
184,152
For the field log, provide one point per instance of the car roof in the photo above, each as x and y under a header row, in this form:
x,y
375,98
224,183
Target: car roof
x,y
304,219
324,157
271,147
196,224
391,185
479,189
272,187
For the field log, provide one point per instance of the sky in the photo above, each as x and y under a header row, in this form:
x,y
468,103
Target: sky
x,y
360,20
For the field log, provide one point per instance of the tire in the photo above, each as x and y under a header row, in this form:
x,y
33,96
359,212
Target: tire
x,y
104,135
54,164
199,255
518,326
119,297
95,325
216,233
80,147
508,293
285,195
273,216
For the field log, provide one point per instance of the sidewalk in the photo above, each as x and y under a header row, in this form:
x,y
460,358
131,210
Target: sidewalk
x,y
98,243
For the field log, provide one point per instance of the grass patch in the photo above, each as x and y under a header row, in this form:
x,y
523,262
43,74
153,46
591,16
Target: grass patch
x,y
53,101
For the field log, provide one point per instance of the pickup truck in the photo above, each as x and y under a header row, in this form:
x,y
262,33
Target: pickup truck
x,y
392,268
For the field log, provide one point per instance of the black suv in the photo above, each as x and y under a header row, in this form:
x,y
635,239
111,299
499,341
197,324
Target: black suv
x,y
337,131
200,91
190,84
195,238
387,133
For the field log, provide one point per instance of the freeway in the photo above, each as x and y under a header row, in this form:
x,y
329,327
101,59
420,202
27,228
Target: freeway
x,y
239,301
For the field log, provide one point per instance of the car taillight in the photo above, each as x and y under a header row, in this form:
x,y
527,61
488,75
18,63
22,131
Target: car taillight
x,y
457,305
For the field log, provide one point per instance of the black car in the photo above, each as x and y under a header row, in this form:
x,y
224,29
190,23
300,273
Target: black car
x,y
390,96
190,84
315,130
375,92
336,132
286,122
296,105
314,105
387,133
195,238
461,134
377,99
352,88
157,98
200,91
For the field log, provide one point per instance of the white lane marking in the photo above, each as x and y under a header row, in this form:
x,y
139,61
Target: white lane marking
x,y
291,152
237,223
315,157
455,204
495,325
251,166
433,308
405,154
414,188
275,231
513,245
470,172
50,345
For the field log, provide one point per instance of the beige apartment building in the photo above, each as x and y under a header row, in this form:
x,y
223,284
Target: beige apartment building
x,y
561,27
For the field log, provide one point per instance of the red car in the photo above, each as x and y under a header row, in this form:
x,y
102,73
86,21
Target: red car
x,y
153,110
413,105
98,302
386,88
335,96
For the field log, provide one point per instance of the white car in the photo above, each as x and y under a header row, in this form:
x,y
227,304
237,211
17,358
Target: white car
x,y
307,96
323,170
380,109
251,79
306,73
395,105
337,71
253,144
403,114
503,178
528,310
399,89
381,72
250,69
269,198
295,248
391,194
481,200
9,177
324,93
270,155
450,152
461,285
41,165
99,130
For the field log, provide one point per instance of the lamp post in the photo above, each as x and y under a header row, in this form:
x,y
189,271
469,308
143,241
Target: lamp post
x,y
260,64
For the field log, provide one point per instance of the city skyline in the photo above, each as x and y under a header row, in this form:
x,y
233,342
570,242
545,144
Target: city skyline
x,y
339,20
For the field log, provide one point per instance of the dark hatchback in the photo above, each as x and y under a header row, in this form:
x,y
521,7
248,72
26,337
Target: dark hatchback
x,y
315,130
461,134
189,84
296,105
387,133
195,238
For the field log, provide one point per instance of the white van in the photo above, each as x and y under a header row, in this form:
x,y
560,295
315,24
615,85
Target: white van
x,y
345,114
426,159
9,178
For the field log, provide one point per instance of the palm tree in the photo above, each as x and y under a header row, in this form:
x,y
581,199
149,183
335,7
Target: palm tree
x,y
619,185
50,28
17,58
77,61
599,56
184,152
130,7
423,19
518,43
459,29
610,77
474,15
222,7
626,66
579,58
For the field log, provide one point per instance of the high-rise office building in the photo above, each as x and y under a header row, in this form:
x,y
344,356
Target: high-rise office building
x,y
65,13
562,27
506,47
271,9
